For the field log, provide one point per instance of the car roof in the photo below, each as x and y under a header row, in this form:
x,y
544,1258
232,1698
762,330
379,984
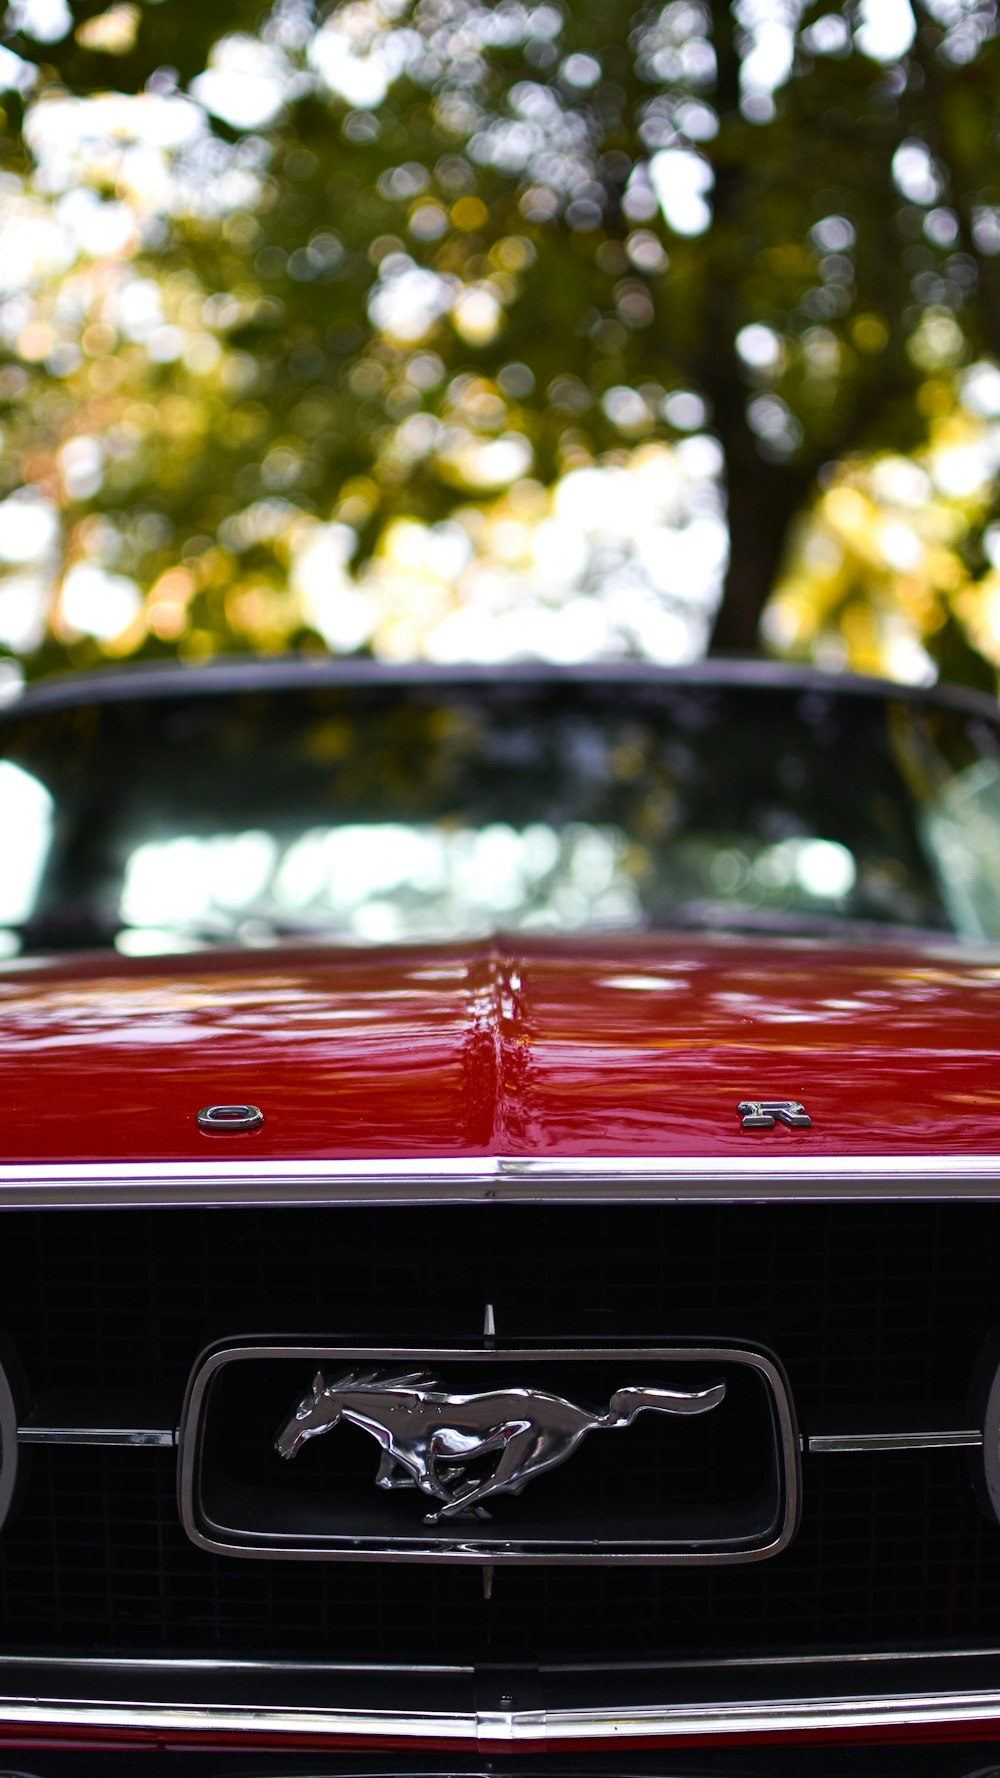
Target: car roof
x,y
172,679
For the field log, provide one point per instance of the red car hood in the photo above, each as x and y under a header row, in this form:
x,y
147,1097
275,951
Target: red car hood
x,y
602,1047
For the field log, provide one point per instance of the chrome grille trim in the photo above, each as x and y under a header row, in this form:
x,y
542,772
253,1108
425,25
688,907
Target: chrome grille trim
x,y
128,1437
94,1520
817,1444
823,1444
502,1178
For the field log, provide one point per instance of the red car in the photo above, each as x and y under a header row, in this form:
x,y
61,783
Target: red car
x,y
501,1222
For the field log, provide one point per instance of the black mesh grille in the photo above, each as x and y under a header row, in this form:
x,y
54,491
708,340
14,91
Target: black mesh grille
x,y
874,1310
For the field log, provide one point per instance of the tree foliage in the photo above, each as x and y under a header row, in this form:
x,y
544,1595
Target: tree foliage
x,y
297,293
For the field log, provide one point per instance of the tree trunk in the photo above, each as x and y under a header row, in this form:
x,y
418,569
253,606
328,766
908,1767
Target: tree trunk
x,y
763,501
763,496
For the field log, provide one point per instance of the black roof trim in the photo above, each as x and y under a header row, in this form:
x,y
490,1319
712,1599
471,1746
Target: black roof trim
x,y
170,679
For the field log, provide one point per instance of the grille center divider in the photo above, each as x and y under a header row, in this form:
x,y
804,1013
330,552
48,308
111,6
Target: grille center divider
x,y
234,1392
82,1421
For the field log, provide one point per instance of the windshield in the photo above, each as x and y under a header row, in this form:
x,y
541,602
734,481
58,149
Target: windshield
x,y
378,813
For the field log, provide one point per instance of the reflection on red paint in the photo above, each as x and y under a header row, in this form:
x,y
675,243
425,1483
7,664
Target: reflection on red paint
x,y
627,1046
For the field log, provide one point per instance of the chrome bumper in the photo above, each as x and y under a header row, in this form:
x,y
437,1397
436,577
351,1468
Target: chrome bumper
x,y
877,1700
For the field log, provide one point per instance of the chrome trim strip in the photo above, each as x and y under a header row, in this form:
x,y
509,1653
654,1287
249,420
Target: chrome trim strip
x,y
135,1437
754,1718
757,1178
212,1720
737,1663
171,1665
821,1444
814,1715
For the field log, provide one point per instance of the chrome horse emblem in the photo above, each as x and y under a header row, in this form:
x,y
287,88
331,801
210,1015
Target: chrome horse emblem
x,y
429,1439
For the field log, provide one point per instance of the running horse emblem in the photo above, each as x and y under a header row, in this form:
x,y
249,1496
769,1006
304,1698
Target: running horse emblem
x,y
429,1440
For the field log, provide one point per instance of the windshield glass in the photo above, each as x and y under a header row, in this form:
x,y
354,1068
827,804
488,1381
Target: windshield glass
x,y
407,811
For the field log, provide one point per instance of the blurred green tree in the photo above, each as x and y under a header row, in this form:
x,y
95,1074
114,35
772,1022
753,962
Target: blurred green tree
x,y
300,284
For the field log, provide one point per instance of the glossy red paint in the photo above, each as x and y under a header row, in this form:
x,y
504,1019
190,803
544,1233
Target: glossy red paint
x,y
599,1047
45,1736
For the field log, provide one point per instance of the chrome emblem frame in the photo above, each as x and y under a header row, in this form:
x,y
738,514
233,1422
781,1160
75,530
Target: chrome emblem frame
x,y
234,1501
